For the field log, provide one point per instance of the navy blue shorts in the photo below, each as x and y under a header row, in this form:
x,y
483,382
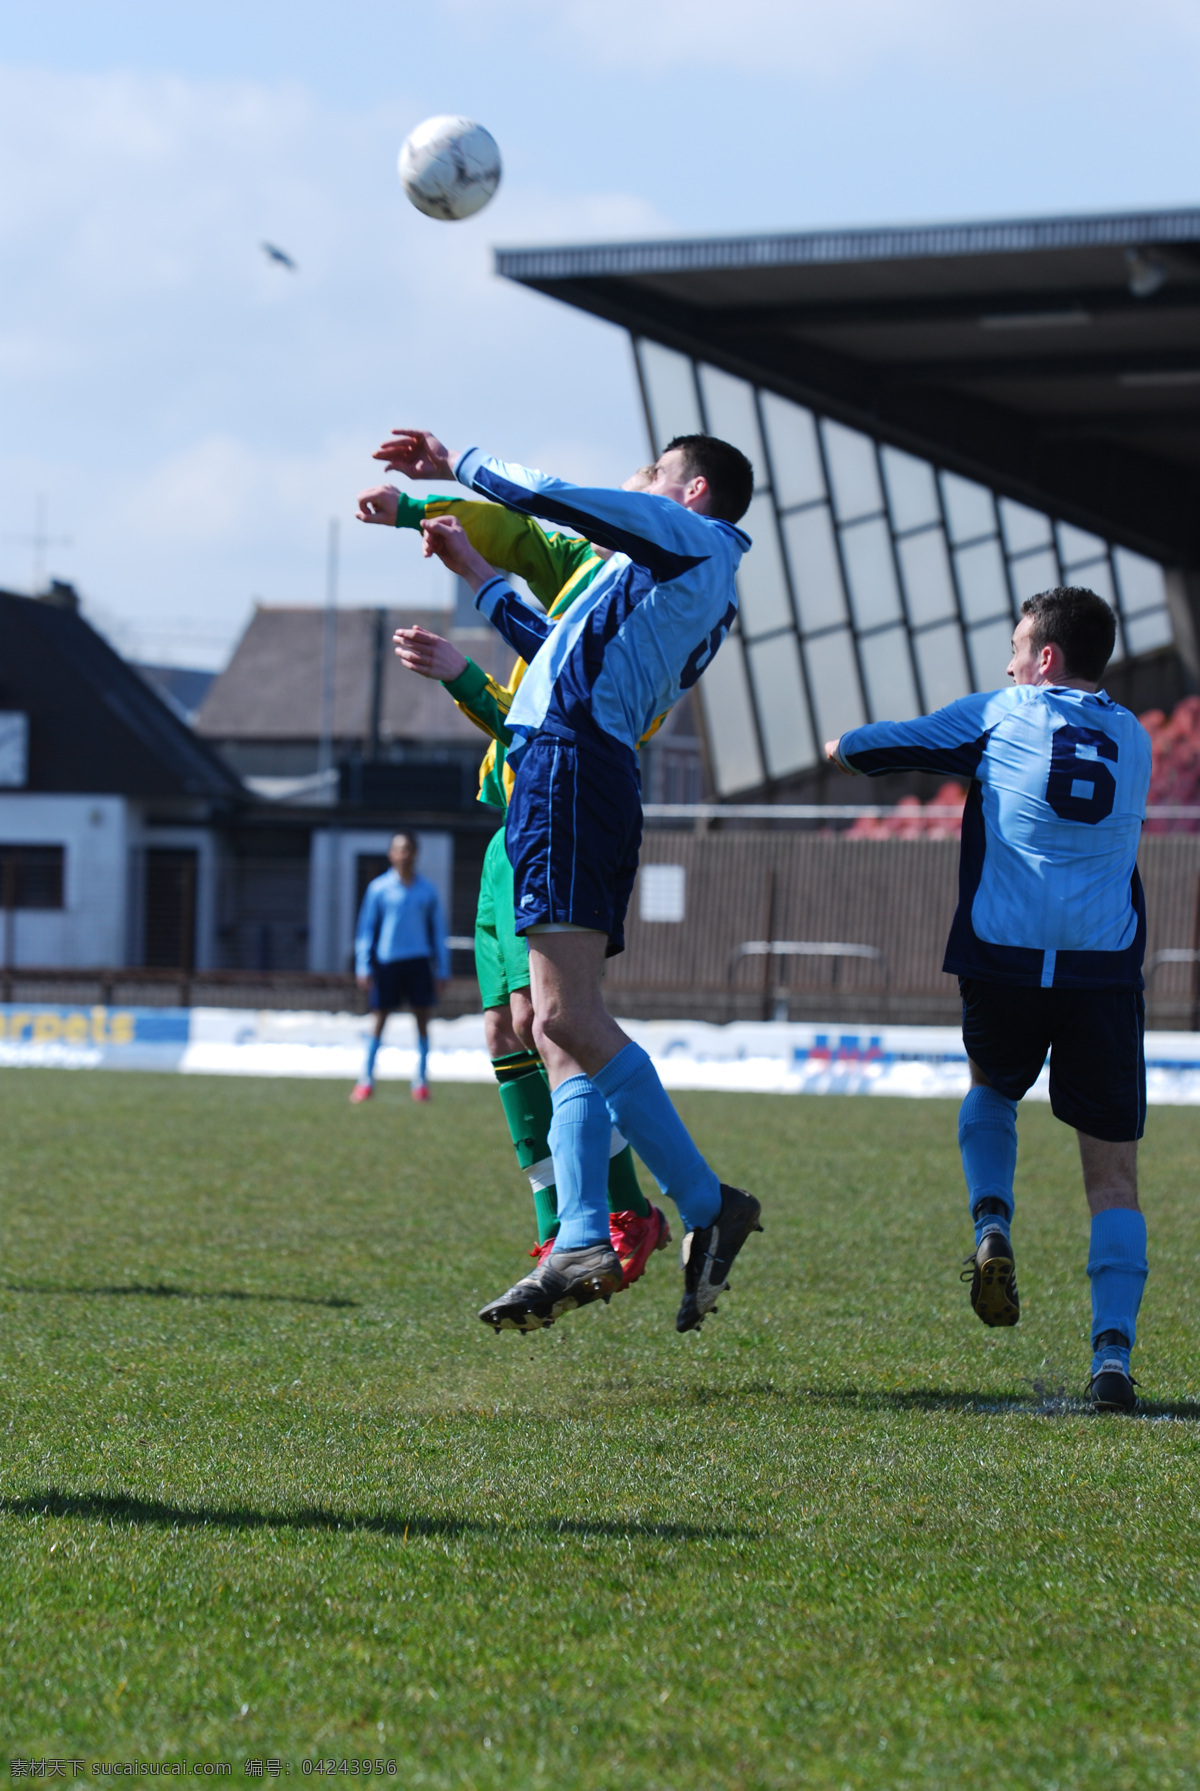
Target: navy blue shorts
x,y
1095,1041
573,833
405,982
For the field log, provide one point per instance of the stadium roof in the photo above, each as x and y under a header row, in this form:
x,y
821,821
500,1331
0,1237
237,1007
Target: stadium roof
x,y
1054,359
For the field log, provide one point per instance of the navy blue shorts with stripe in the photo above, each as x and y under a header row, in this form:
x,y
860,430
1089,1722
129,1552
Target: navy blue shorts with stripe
x,y
1095,1040
573,834
404,982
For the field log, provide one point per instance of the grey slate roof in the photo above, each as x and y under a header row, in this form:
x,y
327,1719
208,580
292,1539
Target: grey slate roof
x,y
95,726
271,688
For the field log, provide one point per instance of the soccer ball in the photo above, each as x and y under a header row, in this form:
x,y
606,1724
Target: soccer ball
x,y
449,167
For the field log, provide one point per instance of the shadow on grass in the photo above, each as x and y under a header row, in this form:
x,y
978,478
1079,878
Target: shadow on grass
x,y
161,1290
1041,1400
119,1508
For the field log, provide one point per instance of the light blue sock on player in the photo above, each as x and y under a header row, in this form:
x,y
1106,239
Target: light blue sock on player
x,y
641,1110
987,1138
580,1135
373,1044
1118,1269
422,1058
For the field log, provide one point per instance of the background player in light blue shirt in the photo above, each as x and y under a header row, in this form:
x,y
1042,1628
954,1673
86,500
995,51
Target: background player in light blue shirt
x,y
638,638
1047,942
400,956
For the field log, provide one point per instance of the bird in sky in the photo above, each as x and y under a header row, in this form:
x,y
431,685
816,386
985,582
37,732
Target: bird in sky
x,y
274,254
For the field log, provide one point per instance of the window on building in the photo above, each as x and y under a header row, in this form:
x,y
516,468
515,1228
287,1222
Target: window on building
x,y
31,876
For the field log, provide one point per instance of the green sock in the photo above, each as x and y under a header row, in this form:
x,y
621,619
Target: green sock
x,y
624,1193
525,1097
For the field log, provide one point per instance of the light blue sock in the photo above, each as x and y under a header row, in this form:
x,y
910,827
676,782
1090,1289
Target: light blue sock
x,y
373,1044
1118,1269
422,1059
987,1138
580,1134
642,1112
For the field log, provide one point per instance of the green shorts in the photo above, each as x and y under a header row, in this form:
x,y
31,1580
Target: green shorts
x,y
501,959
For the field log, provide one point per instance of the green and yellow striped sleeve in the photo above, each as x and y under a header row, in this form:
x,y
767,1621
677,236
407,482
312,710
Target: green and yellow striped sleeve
x,y
482,701
507,541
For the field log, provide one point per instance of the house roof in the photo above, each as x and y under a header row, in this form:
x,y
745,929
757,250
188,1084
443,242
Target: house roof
x,y
1055,359
95,726
272,687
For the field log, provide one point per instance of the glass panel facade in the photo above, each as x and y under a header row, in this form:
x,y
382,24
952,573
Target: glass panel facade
x,y
1075,548
762,583
1032,573
833,680
795,452
1149,630
912,491
729,721
942,664
782,705
925,568
982,582
1023,528
871,569
970,508
853,472
729,411
816,574
878,586
669,383
991,650
888,673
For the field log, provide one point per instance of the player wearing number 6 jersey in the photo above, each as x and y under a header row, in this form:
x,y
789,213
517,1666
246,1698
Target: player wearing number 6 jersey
x,y
1047,943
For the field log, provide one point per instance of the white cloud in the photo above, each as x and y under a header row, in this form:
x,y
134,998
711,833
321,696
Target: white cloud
x,y
195,413
1044,41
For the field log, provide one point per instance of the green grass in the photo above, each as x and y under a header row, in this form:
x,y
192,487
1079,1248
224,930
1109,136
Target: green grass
x,y
268,1488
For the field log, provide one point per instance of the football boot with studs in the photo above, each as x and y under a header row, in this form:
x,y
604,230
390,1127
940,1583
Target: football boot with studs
x,y
562,1280
708,1254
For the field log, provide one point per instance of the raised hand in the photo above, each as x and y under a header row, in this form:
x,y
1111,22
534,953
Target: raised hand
x,y
378,504
417,453
445,539
427,654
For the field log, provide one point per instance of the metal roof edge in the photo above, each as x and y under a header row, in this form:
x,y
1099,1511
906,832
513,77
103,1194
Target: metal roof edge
x,y
861,243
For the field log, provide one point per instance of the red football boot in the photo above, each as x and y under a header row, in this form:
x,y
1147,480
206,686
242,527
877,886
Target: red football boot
x,y
362,1091
635,1238
420,1091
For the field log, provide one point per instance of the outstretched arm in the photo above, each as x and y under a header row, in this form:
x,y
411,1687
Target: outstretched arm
x,y
523,628
951,740
654,531
480,698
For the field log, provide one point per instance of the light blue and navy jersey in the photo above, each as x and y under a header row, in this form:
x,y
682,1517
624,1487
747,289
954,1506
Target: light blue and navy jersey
x,y
643,631
1048,889
400,920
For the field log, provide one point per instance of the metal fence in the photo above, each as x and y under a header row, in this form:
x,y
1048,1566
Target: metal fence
x,y
895,897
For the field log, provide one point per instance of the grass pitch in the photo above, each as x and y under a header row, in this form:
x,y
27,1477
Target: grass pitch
x,y
269,1489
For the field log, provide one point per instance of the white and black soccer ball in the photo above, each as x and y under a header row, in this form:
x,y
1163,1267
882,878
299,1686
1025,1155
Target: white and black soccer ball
x,y
449,167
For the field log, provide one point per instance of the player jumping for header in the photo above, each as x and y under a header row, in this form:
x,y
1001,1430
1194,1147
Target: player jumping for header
x,y
558,569
637,639
1047,943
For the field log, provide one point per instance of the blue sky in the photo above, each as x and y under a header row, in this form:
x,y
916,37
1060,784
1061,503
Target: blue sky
x,y
195,415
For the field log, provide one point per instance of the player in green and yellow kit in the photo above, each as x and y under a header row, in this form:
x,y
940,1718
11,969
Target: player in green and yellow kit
x,y
557,568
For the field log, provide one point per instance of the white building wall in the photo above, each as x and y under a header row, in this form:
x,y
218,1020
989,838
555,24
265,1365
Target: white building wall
x,y
331,907
95,832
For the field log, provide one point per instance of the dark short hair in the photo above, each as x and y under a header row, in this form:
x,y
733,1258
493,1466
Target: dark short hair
x,y
405,833
730,475
1076,620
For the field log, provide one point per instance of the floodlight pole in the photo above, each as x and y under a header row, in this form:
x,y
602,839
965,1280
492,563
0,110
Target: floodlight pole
x,y
328,650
